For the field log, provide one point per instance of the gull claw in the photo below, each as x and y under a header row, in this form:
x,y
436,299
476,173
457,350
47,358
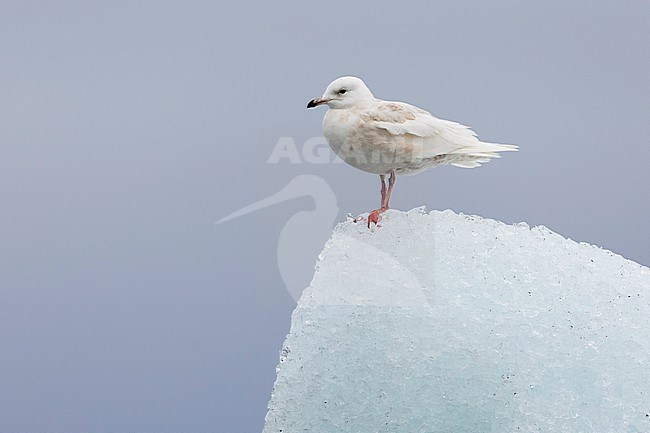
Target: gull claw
x,y
374,216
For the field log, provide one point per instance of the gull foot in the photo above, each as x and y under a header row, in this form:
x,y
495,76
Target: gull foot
x,y
374,216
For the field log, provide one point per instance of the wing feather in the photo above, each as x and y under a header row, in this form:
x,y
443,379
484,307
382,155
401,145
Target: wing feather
x,y
436,136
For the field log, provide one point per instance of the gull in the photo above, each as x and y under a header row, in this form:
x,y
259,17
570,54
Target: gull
x,y
391,138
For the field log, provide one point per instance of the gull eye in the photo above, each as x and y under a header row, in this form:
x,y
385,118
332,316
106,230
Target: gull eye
x,y
342,92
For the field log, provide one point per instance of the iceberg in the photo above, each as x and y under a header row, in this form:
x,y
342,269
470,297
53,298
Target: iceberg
x,y
444,322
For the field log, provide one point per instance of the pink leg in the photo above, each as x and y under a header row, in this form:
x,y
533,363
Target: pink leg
x,y
383,188
385,197
391,181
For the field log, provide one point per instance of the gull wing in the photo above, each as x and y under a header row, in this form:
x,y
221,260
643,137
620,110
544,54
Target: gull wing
x,y
433,136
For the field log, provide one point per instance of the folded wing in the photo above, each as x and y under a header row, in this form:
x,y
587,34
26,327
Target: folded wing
x,y
433,136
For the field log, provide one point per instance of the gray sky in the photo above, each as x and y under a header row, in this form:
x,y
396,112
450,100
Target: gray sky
x,y
129,128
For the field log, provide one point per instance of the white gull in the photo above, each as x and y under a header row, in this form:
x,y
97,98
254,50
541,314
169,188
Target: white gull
x,y
395,138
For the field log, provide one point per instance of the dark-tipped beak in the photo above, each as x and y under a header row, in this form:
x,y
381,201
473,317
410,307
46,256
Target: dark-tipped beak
x,y
316,102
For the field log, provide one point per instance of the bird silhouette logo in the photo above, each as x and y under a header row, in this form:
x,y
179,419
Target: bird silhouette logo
x,y
304,233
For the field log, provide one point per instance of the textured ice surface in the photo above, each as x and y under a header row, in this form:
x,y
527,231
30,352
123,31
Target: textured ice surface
x,y
451,323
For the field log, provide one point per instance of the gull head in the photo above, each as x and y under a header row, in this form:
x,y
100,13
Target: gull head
x,y
344,92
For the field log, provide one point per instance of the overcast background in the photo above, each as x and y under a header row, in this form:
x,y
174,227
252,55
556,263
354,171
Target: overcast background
x,y
128,128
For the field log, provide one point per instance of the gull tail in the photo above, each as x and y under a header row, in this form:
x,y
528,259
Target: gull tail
x,y
481,152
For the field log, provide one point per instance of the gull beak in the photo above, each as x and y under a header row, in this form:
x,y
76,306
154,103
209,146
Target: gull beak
x,y
316,102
